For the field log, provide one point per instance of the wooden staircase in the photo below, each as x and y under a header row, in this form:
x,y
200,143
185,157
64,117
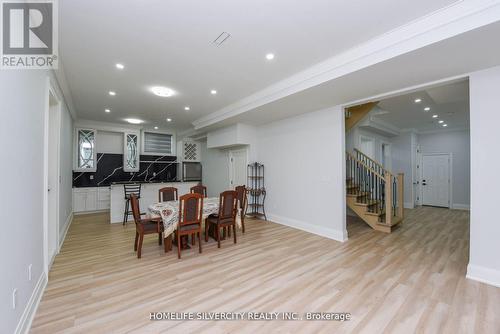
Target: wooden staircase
x,y
373,193
355,114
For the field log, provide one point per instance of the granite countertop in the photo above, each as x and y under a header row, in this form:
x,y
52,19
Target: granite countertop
x,y
136,182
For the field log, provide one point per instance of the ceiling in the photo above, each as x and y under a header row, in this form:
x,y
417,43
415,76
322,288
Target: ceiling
x,y
450,102
169,43
457,56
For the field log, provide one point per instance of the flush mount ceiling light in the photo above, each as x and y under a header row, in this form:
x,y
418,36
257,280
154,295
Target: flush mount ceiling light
x,y
112,93
134,120
270,56
213,92
445,125
119,66
162,91
418,100
434,116
107,110
169,120
441,122
187,108
156,128
427,108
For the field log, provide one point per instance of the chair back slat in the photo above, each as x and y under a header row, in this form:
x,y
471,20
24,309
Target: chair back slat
x,y
242,196
199,189
136,212
132,188
190,209
228,202
167,194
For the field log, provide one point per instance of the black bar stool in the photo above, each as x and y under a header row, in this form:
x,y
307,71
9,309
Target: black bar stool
x,y
129,189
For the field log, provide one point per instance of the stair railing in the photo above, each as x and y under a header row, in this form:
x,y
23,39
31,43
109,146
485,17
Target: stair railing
x,y
375,186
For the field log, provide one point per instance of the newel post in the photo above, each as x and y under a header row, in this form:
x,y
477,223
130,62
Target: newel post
x,y
401,198
388,198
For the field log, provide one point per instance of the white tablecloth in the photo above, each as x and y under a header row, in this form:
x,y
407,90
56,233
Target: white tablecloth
x,y
169,212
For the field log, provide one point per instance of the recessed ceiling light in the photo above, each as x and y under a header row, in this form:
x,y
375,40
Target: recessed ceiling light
x,y
134,120
107,110
270,56
112,93
187,108
162,91
156,128
213,92
418,100
427,108
441,122
120,66
435,116
445,125
169,120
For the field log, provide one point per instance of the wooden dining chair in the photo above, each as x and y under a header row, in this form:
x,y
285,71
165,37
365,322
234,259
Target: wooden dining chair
x,y
242,202
226,218
144,226
190,218
199,189
166,194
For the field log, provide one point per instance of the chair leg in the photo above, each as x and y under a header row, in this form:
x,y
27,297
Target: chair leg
x,y
178,245
234,232
165,243
229,231
159,238
206,230
218,236
135,243
193,239
224,233
125,214
199,240
139,250
243,224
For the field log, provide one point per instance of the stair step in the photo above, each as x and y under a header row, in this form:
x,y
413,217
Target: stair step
x,y
359,194
368,203
378,214
394,222
352,187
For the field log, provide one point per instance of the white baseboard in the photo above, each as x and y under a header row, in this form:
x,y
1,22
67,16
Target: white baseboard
x,y
483,275
458,206
62,236
29,312
308,227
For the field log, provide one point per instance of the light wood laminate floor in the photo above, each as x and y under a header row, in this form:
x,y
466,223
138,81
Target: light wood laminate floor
x,y
412,280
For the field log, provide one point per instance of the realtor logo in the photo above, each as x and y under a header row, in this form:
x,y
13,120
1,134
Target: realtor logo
x,y
29,34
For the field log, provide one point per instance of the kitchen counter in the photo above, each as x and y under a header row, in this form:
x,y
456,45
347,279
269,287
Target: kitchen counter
x,y
149,195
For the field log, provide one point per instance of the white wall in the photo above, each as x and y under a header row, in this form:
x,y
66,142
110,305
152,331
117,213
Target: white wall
x,y
484,261
215,163
304,171
23,99
403,160
457,143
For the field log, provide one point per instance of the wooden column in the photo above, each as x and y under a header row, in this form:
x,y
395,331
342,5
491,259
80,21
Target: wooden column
x,y
388,198
401,195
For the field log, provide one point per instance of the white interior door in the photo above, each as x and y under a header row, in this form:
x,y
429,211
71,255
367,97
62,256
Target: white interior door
x,y
238,168
53,178
436,180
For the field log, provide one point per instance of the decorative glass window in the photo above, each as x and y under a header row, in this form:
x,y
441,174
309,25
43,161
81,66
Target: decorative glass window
x,y
86,152
131,153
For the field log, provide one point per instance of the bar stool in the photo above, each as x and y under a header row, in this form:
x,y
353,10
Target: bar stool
x,y
129,189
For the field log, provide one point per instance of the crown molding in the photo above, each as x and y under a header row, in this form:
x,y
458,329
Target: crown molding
x,y
458,18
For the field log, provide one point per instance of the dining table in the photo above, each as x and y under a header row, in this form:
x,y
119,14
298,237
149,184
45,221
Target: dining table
x,y
169,213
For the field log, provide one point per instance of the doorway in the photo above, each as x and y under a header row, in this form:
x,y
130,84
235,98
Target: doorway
x,y
238,161
52,177
436,179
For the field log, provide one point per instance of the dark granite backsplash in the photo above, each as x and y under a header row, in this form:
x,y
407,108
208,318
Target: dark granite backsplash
x,y
110,169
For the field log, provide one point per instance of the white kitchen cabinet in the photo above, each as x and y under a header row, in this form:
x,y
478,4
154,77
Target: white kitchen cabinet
x,y
85,200
103,198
